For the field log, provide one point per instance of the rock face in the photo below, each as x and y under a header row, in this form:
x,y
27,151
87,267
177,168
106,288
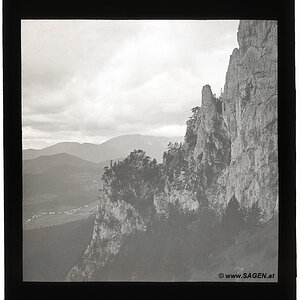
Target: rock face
x,y
211,153
250,115
230,149
114,222
184,200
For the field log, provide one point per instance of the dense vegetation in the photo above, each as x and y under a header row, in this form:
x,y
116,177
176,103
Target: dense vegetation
x,y
134,179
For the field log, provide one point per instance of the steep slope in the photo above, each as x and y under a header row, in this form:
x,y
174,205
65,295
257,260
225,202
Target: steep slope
x,y
226,165
113,149
253,253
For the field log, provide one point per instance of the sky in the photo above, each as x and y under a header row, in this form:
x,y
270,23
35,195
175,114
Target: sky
x,y
91,80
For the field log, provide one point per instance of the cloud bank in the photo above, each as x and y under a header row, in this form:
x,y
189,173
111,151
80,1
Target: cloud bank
x,y
88,81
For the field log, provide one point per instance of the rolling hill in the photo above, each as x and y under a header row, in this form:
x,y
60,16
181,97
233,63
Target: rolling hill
x,y
43,163
59,182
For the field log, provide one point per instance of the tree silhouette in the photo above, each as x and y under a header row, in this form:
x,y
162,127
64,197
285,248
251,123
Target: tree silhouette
x,y
233,219
254,216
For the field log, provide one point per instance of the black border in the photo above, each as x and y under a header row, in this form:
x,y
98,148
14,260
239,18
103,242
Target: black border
x,y
14,11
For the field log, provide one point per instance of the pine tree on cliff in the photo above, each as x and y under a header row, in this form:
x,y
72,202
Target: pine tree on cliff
x,y
233,219
254,217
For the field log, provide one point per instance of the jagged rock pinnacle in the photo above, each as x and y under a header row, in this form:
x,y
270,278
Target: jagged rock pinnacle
x,y
207,96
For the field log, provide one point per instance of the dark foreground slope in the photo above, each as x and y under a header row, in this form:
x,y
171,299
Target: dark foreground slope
x,y
186,251
254,252
49,253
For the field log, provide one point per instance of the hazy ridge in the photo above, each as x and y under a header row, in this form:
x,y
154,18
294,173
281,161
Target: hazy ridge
x,y
112,149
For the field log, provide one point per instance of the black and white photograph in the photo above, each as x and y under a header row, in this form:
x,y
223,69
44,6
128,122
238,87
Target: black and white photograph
x,y
150,150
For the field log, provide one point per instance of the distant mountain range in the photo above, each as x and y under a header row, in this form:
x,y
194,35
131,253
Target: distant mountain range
x,y
112,149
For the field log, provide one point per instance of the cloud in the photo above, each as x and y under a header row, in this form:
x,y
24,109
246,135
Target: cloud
x,y
93,80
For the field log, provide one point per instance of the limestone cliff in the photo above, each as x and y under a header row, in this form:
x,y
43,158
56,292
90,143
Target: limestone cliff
x,y
236,146
114,222
250,115
211,153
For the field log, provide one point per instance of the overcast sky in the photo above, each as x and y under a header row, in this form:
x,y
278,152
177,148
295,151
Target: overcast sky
x,y
89,81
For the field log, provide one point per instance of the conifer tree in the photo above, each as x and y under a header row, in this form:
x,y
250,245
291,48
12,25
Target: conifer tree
x,y
254,216
233,219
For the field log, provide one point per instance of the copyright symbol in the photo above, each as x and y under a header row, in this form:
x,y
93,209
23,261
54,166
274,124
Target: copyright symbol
x,y
221,275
